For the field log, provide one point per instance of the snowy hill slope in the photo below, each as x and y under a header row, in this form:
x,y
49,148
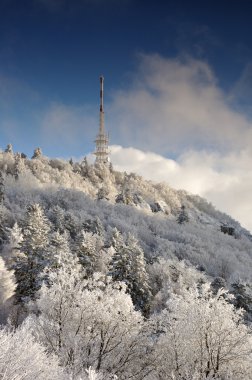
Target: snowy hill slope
x,y
150,211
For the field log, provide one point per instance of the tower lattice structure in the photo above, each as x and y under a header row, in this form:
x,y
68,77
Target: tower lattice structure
x,y
102,140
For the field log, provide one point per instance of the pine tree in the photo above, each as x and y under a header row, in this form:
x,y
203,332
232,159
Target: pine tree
x,y
37,153
19,165
1,188
102,193
34,255
61,259
128,266
125,196
13,245
9,149
120,265
138,281
7,283
89,249
183,216
57,218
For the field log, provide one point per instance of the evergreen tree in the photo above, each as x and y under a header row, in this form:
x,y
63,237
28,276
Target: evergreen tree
x,y
120,264
89,249
34,255
128,266
138,281
85,167
94,225
12,247
102,193
7,283
37,153
1,188
183,216
243,298
62,258
19,165
125,196
57,217
9,149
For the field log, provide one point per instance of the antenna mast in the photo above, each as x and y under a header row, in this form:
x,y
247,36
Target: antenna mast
x,y
101,140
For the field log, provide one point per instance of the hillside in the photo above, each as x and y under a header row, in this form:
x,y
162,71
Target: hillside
x,y
61,218
148,210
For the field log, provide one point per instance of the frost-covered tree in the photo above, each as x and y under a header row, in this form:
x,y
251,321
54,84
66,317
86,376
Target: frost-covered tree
x,y
57,217
202,335
102,193
7,289
37,153
9,149
21,357
128,266
12,247
125,196
120,263
138,281
90,323
7,283
90,249
242,292
183,216
169,277
1,188
19,165
34,255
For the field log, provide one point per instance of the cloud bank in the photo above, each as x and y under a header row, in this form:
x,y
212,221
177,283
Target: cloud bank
x,y
224,180
176,104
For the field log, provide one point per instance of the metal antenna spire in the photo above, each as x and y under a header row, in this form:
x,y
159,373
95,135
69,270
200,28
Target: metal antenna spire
x,y
102,140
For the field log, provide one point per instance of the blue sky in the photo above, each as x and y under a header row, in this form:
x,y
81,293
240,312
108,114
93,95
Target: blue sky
x,y
53,51
178,80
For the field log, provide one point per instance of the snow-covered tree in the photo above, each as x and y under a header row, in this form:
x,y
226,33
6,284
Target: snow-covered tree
x,y
202,335
21,357
19,165
183,216
37,153
90,250
242,292
1,188
9,149
57,217
7,283
60,252
138,281
125,196
120,263
12,247
34,255
102,193
7,289
90,323
128,266
169,277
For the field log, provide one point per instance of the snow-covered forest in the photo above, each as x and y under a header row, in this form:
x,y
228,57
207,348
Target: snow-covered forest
x,y
104,275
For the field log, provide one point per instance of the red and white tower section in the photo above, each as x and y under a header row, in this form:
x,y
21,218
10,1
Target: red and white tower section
x,y
102,140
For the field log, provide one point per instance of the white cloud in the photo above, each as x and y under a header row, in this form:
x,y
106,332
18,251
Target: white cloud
x,y
176,104
225,180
